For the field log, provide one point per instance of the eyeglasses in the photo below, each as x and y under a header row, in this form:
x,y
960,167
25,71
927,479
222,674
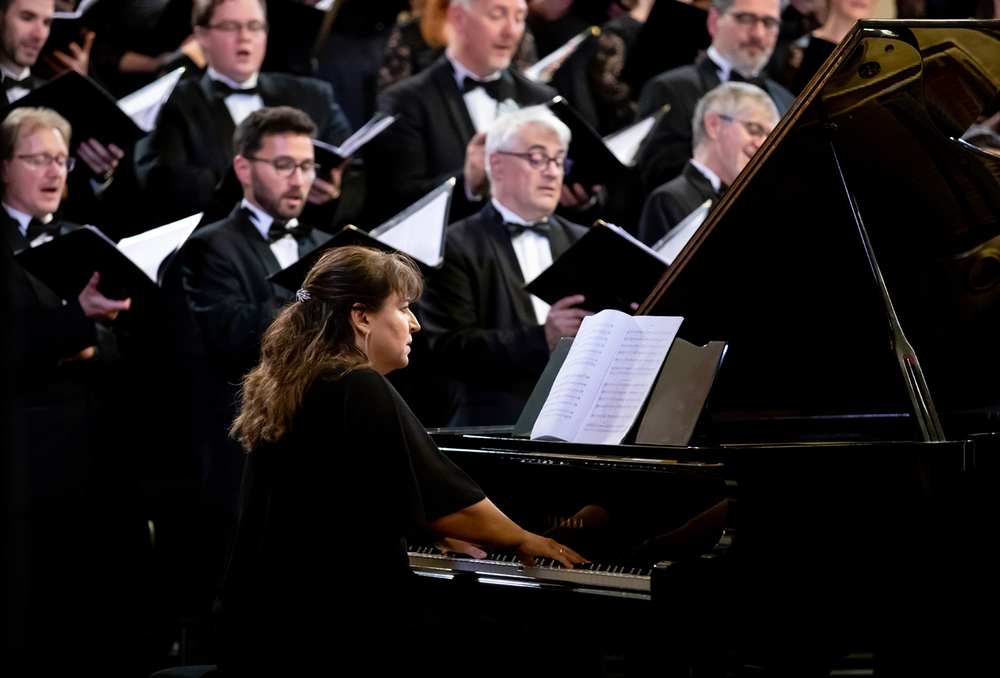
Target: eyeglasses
x,y
235,26
771,24
537,160
285,166
39,160
753,129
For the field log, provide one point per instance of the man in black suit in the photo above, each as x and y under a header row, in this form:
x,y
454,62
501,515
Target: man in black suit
x,y
225,268
183,163
743,36
444,111
731,123
484,329
73,492
24,30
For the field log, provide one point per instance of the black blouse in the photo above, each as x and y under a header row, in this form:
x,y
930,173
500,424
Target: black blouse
x,y
323,515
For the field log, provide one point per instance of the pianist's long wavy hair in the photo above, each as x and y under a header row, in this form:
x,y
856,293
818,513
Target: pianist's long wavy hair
x,y
314,335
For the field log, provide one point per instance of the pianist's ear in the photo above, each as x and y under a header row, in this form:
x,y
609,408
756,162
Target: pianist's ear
x,y
359,320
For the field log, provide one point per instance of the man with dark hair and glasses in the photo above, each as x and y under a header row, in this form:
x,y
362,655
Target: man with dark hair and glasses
x,y
225,267
730,124
183,164
743,33
484,329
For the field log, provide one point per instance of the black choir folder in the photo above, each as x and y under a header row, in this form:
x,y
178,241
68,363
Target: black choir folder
x,y
91,111
619,367
609,267
594,159
66,263
417,231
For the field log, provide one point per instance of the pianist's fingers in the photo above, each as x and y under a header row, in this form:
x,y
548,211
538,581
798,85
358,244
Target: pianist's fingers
x,y
535,545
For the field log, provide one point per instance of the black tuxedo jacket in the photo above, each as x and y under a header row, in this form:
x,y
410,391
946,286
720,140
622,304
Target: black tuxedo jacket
x,y
224,269
190,152
65,437
480,322
674,200
670,147
426,144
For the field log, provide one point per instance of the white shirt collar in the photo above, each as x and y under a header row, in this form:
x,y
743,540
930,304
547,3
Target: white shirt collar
x,y
509,216
725,68
7,73
262,220
709,174
215,75
461,73
23,219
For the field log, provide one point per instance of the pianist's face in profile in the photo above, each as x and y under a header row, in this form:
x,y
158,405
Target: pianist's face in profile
x,y
35,165
233,36
740,34
352,311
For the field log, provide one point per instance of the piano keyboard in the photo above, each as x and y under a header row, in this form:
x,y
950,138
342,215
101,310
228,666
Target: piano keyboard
x,y
432,562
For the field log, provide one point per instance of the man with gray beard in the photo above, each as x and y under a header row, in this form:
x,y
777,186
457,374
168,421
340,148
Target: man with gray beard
x,y
743,33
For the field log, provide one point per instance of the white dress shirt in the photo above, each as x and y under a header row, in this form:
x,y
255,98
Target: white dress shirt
x,y
709,174
15,93
240,105
534,255
286,249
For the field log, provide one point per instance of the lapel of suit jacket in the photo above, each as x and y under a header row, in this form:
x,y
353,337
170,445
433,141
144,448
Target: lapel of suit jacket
x,y
241,218
44,295
510,269
558,237
709,74
700,182
314,240
222,119
452,100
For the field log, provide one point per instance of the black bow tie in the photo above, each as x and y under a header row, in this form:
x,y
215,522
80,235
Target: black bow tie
x,y
30,82
759,80
539,227
222,90
37,229
492,87
279,231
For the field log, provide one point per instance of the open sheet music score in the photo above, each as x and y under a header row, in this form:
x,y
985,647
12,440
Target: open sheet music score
x,y
610,369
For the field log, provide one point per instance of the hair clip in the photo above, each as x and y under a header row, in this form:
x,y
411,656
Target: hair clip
x,y
303,295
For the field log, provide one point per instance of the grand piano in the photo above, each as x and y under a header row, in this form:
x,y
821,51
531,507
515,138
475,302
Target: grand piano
x,y
854,270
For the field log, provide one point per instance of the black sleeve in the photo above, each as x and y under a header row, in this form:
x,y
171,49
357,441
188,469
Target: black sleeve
x,y
397,477
659,215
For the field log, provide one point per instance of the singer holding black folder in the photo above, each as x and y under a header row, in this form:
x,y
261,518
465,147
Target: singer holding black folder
x,y
484,328
73,507
336,460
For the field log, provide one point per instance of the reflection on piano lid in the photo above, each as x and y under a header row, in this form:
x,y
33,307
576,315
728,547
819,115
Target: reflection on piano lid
x,y
779,271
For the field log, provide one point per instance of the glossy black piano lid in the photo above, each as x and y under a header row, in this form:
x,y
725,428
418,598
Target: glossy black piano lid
x,y
778,269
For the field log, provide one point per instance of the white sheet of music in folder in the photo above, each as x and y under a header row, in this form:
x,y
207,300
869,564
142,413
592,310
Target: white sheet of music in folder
x,y
148,250
606,377
419,235
625,144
